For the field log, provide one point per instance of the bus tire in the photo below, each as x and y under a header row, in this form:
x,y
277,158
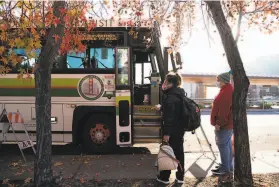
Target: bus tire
x,y
99,134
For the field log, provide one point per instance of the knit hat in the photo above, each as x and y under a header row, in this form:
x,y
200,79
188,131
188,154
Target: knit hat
x,y
224,77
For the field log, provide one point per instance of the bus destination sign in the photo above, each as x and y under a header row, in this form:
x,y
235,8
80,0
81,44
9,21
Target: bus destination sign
x,y
102,36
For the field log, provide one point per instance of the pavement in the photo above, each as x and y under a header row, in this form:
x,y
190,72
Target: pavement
x,y
263,134
133,166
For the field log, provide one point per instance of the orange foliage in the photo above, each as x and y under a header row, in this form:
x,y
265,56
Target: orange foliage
x,y
263,15
25,25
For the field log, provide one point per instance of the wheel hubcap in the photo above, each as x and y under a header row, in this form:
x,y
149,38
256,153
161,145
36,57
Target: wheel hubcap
x,y
99,134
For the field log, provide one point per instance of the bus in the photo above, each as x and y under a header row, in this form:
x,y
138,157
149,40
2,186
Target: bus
x,y
102,98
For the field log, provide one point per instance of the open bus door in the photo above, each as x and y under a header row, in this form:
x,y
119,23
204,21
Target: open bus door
x,y
123,96
176,63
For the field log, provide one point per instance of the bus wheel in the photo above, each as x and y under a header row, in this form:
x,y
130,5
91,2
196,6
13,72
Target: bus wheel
x,y
98,135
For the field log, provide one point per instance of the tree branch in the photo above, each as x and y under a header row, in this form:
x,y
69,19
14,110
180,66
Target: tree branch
x,y
206,27
238,27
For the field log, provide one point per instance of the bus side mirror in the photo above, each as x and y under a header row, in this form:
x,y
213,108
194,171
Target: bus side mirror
x,y
178,59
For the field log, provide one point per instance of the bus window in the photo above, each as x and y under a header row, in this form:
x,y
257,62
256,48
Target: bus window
x,y
142,72
102,57
147,69
123,62
156,63
75,60
27,63
138,73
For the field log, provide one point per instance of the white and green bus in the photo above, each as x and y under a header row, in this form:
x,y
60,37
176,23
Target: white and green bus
x,y
101,98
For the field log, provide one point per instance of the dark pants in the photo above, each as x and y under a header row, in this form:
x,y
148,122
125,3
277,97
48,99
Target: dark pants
x,y
176,142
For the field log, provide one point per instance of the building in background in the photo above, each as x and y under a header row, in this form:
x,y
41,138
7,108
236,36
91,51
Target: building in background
x,y
203,87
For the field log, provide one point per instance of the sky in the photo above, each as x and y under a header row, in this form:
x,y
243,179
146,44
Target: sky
x,y
198,56
259,51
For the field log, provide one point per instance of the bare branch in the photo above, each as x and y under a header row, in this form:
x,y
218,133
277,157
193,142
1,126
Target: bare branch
x,y
238,26
206,27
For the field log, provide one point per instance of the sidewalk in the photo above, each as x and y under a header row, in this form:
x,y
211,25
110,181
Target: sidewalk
x,y
109,167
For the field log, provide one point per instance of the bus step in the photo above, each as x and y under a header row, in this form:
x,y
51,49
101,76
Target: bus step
x,y
147,117
147,132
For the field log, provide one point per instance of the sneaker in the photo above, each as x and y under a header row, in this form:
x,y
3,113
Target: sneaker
x,y
180,181
217,168
162,181
220,171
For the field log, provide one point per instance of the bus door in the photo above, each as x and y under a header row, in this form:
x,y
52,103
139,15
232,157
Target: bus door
x,y
123,96
171,62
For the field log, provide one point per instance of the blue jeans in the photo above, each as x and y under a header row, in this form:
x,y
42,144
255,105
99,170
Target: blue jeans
x,y
224,142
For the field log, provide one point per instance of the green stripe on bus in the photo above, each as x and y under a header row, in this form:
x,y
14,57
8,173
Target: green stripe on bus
x,y
29,83
63,92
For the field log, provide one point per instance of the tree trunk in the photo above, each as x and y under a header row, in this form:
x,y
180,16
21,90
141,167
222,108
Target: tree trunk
x,y
43,167
243,174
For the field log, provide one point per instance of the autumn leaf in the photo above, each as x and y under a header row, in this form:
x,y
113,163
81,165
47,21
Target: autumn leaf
x,y
91,25
43,32
4,60
13,59
138,13
62,11
19,173
58,164
106,2
11,43
27,180
19,43
33,30
82,180
31,54
170,51
56,21
28,76
14,164
67,19
56,37
6,181
4,70
37,44
3,27
2,49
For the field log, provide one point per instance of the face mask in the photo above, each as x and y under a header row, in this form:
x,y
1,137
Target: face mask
x,y
218,84
166,86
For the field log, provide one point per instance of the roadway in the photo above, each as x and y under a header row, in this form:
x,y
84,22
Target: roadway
x,y
263,129
262,125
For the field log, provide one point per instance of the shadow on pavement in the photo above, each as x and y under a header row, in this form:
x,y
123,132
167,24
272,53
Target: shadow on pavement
x,y
70,149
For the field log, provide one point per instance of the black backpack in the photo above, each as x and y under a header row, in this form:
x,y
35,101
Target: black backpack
x,y
190,114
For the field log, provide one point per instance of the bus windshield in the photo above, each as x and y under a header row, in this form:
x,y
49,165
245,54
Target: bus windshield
x,y
99,58
93,58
